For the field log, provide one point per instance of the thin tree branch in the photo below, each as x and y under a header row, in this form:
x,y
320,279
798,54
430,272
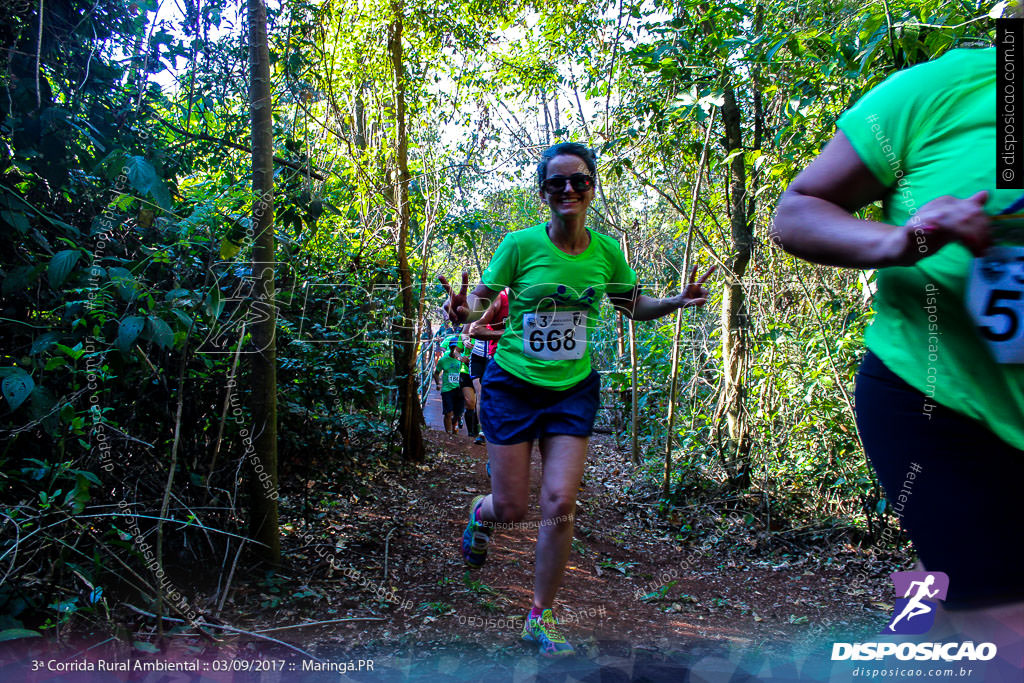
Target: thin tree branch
x,y
241,148
225,627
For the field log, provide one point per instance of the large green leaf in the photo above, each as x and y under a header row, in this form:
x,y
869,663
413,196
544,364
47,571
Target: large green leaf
x,y
160,332
15,633
228,249
123,279
16,219
141,174
128,331
143,177
43,342
41,407
16,387
214,304
177,294
183,317
61,265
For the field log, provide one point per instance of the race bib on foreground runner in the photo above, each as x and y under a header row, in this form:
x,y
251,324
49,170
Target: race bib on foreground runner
x,y
453,378
995,300
558,335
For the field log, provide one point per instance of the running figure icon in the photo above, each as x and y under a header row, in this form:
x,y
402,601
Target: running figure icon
x,y
915,606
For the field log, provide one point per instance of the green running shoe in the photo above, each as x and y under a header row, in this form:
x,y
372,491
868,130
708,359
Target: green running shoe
x,y
475,539
544,632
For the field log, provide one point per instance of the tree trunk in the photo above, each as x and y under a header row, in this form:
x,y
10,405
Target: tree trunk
x,y
263,484
411,417
735,319
672,387
619,397
683,281
755,85
359,122
634,446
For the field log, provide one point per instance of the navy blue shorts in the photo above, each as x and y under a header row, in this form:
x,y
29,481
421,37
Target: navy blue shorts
x,y
517,411
953,483
477,366
452,401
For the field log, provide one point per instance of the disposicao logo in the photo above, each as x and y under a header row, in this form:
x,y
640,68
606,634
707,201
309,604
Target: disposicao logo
x,y
913,613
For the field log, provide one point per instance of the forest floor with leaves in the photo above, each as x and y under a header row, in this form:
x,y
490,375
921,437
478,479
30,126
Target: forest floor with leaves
x,y
372,571
736,586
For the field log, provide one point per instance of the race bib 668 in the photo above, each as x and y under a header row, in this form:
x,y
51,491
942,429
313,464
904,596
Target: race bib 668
x,y
558,335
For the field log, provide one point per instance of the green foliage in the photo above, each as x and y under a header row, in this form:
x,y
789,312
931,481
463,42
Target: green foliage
x,y
125,218
438,607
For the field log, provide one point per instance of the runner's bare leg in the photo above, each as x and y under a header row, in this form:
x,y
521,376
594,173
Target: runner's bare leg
x,y
563,458
510,483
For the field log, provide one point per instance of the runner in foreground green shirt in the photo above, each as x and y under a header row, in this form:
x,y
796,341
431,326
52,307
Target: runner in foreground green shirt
x,y
912,137
540,385
940,394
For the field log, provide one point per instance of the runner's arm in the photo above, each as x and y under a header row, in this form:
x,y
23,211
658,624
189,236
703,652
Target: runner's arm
x,y
482,332
640,307
478,301
814,221
479,330
643,307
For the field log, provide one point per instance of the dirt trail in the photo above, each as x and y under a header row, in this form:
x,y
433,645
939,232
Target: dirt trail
x,y
634,593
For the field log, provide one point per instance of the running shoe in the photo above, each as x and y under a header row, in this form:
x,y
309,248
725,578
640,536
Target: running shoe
x,y
475,539
544,632
480,438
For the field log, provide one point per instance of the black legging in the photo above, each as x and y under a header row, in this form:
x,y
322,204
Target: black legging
x,y
961,505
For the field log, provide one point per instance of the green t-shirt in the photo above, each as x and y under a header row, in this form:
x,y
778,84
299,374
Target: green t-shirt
x,y
462,350
449,369
553,303
925,132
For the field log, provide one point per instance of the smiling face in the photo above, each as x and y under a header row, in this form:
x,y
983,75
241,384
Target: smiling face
x,y
568,202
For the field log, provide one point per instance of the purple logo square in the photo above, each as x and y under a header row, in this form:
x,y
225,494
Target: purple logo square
x,y
917,599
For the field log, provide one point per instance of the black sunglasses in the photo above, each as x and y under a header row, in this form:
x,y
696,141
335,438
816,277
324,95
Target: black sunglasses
x,y
580,182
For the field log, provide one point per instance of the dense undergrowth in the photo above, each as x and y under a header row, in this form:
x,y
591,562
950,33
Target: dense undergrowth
x,y
127,286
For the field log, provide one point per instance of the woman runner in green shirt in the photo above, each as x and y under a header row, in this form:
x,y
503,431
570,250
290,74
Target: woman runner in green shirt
x,y
541,385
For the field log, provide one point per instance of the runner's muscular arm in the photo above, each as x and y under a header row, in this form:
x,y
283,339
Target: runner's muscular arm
x,y
814,221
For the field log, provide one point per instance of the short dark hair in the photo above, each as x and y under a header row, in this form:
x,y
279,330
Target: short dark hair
x,y
573,148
